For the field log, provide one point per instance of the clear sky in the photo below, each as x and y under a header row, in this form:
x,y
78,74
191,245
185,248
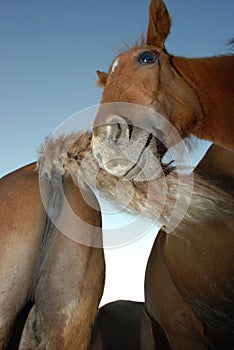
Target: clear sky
x,y
49,53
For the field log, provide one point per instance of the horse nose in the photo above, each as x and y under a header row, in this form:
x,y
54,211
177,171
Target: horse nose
x,y
117,128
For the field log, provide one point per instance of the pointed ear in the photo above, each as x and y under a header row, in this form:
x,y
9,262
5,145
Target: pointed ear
x,y
159,24
102,78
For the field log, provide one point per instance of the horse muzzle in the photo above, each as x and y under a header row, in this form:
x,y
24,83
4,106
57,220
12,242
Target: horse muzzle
x,y
125,150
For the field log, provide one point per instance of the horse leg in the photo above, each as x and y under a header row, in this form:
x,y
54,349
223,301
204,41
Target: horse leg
x,y
10,311
159,337
70,285
33,336
46,328
68,294
17,329
165,305
152,335
12,300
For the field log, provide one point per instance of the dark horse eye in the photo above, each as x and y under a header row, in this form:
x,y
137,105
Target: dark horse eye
x,y
146,58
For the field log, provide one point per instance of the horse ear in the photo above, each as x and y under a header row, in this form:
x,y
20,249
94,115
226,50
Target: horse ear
x,y
159,24
102,78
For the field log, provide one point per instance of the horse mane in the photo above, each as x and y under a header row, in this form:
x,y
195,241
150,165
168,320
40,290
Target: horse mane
x,y
72,156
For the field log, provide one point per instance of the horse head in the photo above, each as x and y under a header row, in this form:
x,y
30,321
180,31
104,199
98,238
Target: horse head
x,y
141,86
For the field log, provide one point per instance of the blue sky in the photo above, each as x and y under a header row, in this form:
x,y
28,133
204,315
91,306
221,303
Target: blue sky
x,y
50,51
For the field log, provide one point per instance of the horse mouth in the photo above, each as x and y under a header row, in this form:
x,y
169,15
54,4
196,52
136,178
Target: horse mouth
x,y
131,159
141,162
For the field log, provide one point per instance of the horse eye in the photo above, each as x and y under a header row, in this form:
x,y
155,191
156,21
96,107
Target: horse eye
x,y
146,58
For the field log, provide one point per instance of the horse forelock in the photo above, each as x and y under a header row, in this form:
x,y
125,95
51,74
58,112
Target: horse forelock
x,y
128,46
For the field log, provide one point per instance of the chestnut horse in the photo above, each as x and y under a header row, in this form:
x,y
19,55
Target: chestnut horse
x,y
194,94
188,294
41,265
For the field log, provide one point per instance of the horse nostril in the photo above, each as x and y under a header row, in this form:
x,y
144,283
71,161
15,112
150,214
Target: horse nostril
x,y
130,128
118,132
117,128
113,132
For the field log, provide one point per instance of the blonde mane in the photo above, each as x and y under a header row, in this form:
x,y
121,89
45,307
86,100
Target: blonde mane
x,y
72,156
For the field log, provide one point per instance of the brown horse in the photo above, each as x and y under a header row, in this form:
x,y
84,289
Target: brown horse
x,y
41,265
194,94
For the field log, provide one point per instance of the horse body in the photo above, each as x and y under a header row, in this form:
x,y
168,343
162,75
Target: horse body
x,y
189,291
68,271
189,277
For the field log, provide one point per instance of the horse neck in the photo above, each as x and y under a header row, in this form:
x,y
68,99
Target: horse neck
x,y
213,83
